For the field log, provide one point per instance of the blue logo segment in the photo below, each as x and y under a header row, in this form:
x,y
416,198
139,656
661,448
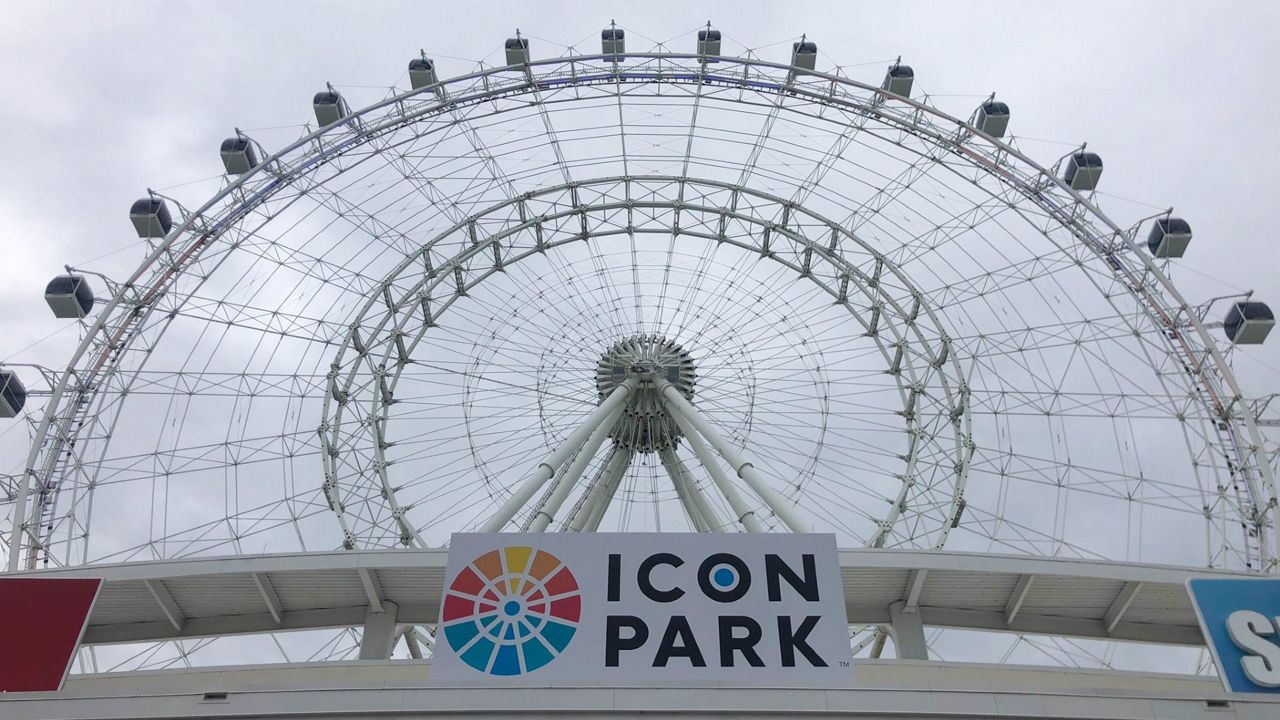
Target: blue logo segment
x,y
1240,619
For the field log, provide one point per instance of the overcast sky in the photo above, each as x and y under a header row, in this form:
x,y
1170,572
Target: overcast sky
x,y
103,100
106,99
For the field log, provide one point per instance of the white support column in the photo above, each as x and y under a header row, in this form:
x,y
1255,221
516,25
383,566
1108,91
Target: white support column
x,y
548,511
547,468
411,642
915,585
676,467
908,632
598,490
708,460
612,480
709,514
877,643
677,405
380,635
682,494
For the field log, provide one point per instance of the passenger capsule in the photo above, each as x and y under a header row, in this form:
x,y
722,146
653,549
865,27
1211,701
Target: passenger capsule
x,y
1248,323
330,107
151,218
517,51
612,41
709,42
993,118
69,296
422,72
239,155
1169,237
898,80
804,55
12,394
1083,171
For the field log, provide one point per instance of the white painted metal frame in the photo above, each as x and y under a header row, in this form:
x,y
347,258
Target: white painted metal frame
x,y
547,468
78,391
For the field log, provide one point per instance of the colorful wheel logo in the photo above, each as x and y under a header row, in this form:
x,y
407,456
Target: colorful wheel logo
x,y
511,611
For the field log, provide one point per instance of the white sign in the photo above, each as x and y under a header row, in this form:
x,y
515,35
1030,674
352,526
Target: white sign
x,y
655,608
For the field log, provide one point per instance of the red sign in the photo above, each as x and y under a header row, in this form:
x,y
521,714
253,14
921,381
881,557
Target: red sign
x,y
41,622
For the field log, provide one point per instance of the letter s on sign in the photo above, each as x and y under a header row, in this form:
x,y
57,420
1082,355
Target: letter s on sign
x,y
1249,631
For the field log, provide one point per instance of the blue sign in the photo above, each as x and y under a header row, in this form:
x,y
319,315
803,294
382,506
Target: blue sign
x,y
1240,619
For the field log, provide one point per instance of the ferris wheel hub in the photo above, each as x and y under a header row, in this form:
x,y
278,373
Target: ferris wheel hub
x,y
645,425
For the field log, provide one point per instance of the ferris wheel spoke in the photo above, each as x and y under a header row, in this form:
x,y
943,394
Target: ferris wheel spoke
x,y
949,229
311,267
890,191
178,461
415,173
213,536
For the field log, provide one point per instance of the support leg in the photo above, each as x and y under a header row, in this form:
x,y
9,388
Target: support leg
x,y
679,407
596,492
548,511
547,468
677,482
708,460
411,642
682,494
613,479
676,467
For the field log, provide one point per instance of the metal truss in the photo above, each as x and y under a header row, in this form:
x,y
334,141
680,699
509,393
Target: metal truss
x,y
366,249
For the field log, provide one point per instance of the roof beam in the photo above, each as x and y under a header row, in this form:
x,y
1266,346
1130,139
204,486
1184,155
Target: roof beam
x,y
1016,599
372,588
1121,605
221,625
269,596
907,630
1060,626
224,609
167,605
915,583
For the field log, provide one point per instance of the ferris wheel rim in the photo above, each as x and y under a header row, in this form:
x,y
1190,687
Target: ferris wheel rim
x,y
99,326
953,388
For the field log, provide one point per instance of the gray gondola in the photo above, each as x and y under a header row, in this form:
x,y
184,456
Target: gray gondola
x,y
898,80
238,155
1248,323
330,107
422,72
613,41
69,296
1169,237
517,51
993,118
151,218
12,394
804,55
709,42
1083,171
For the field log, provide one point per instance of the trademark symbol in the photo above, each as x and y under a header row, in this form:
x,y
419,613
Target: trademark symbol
x,y
844,663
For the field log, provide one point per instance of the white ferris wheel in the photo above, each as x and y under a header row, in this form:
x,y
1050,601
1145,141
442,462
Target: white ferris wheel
x,y
678,289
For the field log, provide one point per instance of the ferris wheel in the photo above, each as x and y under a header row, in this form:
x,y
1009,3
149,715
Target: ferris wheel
x,y
667,290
